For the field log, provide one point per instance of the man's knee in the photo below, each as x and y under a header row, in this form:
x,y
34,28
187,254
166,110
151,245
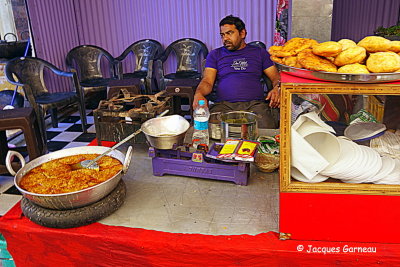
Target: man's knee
x,y
269,117
220,107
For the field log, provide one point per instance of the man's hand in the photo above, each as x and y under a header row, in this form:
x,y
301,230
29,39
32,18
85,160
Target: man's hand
x,y
205,86
198,96
274,97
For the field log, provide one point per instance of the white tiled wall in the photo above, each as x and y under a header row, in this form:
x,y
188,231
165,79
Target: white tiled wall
x,y
312,19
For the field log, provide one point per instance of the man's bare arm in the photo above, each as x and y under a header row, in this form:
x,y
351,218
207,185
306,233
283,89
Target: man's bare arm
x,y
206,85
273,95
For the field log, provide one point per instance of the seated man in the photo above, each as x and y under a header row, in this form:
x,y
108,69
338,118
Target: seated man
x,y
238,69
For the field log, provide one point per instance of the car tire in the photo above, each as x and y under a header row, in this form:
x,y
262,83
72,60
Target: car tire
x,y
75,217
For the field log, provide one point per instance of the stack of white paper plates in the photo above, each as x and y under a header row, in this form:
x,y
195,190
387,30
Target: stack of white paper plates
x,y
393,177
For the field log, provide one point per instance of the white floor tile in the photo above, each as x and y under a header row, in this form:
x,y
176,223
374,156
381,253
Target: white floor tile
x,y
62,126
92,129
89,119
78,114
5,183
7,202
66,136
76,144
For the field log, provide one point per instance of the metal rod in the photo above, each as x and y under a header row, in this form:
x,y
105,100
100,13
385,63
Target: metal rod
x,y
16,87
121,142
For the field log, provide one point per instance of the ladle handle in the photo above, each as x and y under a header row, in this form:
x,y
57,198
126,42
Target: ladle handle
x,y
121,142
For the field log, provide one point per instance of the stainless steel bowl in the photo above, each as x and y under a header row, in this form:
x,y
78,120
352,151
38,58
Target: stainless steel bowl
x,y
164,132
73,199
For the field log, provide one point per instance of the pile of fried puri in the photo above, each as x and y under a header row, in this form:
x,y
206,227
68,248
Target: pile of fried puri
x,y
373,54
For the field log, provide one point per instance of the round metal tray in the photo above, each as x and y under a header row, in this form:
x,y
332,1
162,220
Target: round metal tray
x,y
340,77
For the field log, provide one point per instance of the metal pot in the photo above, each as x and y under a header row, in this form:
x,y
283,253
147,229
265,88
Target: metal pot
x,y
73,199
12,49
239,125
214,125
164,132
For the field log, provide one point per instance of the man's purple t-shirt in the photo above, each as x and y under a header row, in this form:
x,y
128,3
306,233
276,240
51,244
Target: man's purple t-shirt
x,y
239,72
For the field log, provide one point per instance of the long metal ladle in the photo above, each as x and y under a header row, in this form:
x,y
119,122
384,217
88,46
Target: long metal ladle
x,y
91,164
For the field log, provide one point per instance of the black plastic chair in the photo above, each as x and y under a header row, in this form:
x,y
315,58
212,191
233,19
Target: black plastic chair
x,y
144,53
86,60
29,73
258,43
188,54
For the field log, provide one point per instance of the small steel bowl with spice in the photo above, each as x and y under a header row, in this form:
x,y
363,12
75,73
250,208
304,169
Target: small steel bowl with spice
x,y
214,125
239,125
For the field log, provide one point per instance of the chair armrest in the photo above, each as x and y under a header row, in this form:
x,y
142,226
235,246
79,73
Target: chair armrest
x,y
57,71
159,74
203,66
159,68
30,97
268,83
113,70
10,77
150,69
63,73
149,75
119,69
77,87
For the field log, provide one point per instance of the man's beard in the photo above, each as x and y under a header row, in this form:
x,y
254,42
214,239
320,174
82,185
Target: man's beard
x,y
230,46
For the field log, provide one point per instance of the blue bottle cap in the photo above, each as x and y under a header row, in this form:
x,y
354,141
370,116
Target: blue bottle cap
x,y
201,102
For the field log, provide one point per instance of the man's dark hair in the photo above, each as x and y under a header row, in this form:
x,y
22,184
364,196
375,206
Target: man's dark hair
x,y
239,24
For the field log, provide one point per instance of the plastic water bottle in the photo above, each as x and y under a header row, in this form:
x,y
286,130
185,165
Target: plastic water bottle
x,y
200,128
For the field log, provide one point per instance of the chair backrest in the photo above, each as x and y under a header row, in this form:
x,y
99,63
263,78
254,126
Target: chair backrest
x,y
258,43
86,59
144,51
29,73
187,51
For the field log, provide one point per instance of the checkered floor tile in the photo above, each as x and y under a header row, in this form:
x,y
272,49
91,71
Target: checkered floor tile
x,y
69,133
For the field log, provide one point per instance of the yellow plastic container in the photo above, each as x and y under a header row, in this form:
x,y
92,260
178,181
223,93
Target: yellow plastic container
x,y
376,107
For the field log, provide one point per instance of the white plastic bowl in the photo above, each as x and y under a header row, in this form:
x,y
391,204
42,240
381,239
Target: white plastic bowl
x,y
296,174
